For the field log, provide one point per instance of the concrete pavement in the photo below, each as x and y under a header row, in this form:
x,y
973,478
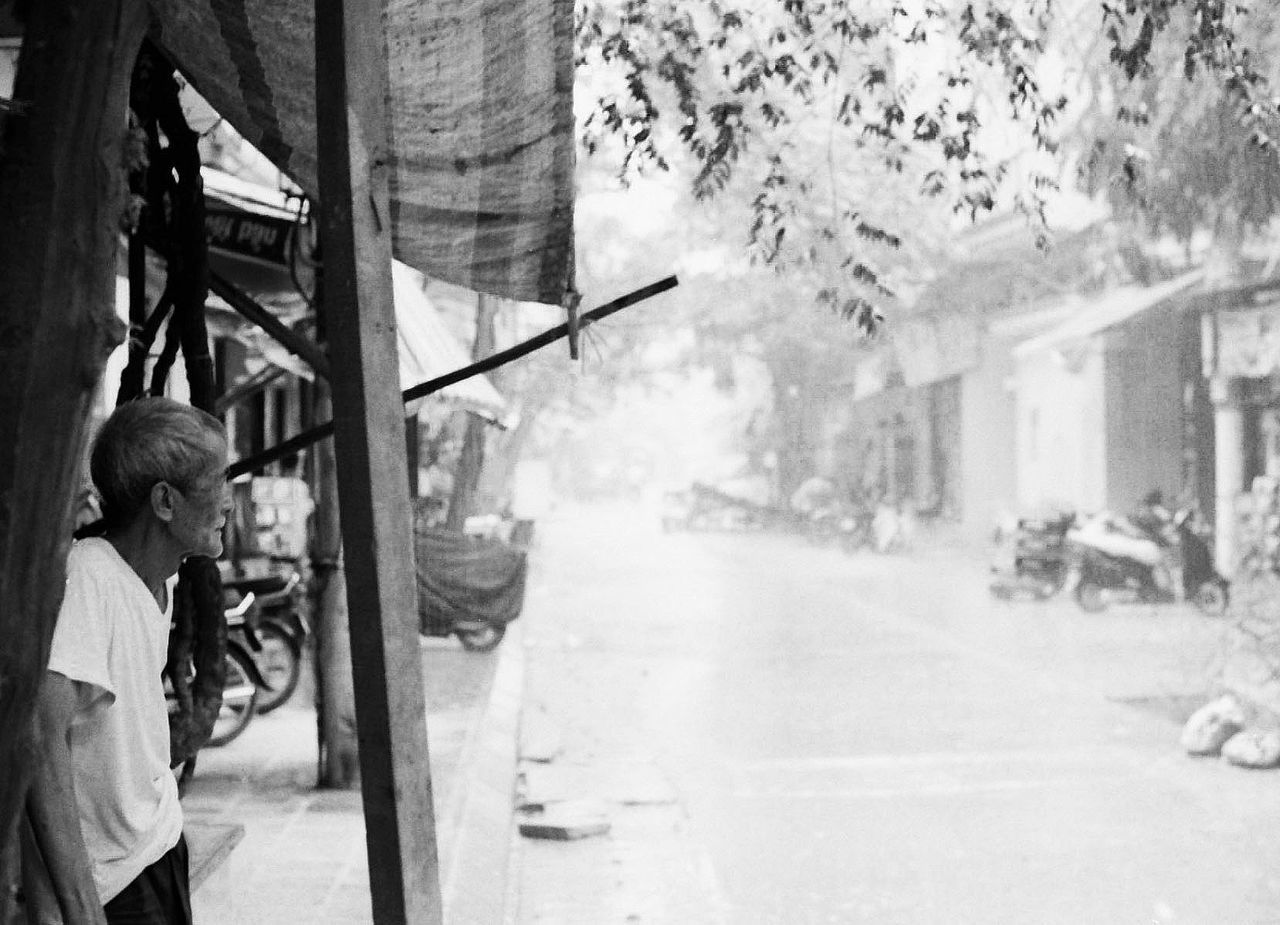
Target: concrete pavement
x,y
302,859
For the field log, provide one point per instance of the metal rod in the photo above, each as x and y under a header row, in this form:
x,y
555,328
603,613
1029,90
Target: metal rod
x,y
248,387
291,340
303,440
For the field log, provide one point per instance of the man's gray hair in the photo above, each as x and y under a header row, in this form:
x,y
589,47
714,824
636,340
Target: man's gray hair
x,y
147,441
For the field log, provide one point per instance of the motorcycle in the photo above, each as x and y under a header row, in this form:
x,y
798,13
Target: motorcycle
x,y
1122,564
281,629
244,680
469,587
822,525
847,524
893,527
1036,558
854,530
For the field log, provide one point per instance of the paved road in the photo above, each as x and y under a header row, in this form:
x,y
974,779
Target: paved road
x,y
788,735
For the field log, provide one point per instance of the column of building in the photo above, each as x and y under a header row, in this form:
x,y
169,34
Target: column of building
x,y
1228,448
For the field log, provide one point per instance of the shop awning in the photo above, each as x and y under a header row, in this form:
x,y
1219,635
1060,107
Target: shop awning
x,y
481,108
250,238
428,350
1097,314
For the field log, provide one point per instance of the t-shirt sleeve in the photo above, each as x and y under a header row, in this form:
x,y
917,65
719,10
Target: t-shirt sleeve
x,y
82,637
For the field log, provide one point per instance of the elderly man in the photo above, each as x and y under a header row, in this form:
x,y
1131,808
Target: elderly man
x,y
104,794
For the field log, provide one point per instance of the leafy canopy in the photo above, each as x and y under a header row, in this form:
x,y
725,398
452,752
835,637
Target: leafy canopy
x,y
805,106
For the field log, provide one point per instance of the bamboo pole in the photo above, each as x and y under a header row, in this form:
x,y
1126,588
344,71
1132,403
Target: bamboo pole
x,y
305,439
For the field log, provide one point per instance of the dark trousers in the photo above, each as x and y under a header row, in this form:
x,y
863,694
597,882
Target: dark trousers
x,y
161,894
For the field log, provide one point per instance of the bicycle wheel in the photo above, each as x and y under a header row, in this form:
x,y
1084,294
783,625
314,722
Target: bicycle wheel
x,y
239,698
281,665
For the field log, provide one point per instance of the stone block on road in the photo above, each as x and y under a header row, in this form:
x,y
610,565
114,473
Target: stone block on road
x,y
565,823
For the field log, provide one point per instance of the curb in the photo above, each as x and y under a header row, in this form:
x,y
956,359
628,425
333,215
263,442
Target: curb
x,y
480,816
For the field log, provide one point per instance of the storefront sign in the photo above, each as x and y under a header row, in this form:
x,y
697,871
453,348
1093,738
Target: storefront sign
x,y
261,237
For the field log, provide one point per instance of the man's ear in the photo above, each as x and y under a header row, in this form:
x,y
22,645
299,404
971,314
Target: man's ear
x,y
162,501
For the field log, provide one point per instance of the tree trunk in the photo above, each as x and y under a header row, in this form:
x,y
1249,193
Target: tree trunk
x,y
339,761
471,460
498,478
62,182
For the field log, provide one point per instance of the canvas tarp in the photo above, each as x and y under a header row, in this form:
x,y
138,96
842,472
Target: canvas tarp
x,y
463,578
251,253
481,106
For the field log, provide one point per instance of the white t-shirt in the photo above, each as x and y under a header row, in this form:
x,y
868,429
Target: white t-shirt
x,y
112,637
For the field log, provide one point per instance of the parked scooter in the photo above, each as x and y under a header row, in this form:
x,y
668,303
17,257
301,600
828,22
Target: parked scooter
x,y
282,631
847,522
1120,563
893,527
1035,558
473,587
240,689
822,524
854,529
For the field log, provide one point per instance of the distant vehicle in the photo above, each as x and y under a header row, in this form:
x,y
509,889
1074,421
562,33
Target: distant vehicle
x,y
282,630
1034,558
1120,563
893,527
850,526
707,507
470,587
243,678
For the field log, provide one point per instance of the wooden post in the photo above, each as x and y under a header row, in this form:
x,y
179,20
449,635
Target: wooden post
x,y
355,226
412,438
62,183
339,757
1228,454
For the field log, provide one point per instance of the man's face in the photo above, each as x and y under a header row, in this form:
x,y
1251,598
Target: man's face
x,y
200,512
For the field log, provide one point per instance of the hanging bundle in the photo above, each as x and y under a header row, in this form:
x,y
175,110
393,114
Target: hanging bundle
x,y
167,187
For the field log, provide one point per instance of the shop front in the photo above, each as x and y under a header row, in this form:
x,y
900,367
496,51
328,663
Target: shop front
x,y
1241,335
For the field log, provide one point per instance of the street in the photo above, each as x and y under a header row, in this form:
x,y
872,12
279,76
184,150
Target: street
x,y
779,733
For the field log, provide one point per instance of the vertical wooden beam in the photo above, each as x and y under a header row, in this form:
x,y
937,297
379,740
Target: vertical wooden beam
x,y
412,436
63,192
355,225
1228,454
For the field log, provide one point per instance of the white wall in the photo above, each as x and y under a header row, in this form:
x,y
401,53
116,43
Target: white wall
x,y
988,474
1061,429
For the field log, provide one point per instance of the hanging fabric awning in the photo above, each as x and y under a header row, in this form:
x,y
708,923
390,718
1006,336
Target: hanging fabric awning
x,y
481,108
1099,313
250,230
428,349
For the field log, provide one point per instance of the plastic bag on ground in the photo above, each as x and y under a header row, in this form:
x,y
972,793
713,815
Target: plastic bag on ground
x,y
1212,725
1253,748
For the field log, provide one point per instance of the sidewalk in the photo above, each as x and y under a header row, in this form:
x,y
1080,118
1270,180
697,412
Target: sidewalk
x,y
302,859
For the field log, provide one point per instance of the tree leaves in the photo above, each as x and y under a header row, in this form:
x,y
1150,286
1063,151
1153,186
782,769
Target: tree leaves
x,y
721,89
